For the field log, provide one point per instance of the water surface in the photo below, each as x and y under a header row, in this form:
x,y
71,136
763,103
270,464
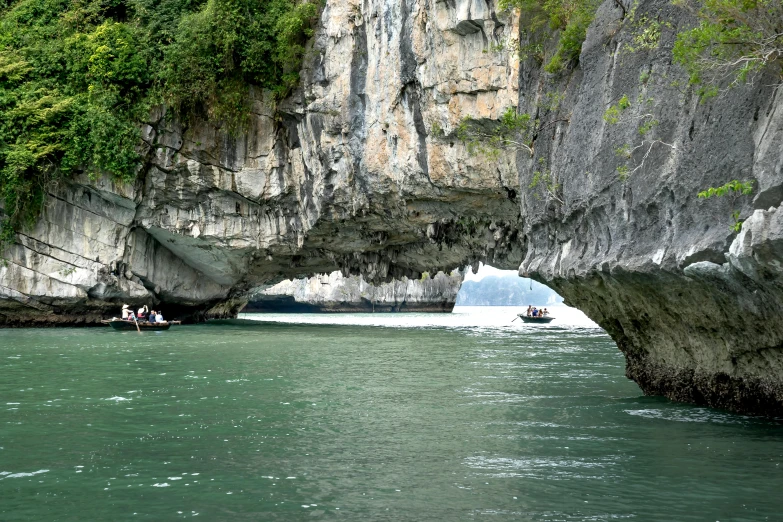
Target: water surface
x,y
466,416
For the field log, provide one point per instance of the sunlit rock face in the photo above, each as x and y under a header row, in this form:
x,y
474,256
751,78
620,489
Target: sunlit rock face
x,y
695,307
348,175
337,293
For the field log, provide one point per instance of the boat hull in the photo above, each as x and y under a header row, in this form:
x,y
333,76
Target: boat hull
x,y
143,326
540,320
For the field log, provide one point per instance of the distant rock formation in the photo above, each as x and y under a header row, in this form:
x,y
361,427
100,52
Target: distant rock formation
x,y
336,293
506,291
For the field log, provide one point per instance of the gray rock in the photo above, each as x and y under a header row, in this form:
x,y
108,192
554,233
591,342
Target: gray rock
x,y
694,307
336,293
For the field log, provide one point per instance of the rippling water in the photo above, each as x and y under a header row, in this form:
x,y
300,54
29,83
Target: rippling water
x,y
413,417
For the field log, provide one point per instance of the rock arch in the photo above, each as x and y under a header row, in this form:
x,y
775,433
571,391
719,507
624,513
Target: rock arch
x,y
359,170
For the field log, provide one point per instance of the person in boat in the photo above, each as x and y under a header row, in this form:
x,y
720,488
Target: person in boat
x,y
535,312
142,313
125,312
159,317
529,310
545,312
151,317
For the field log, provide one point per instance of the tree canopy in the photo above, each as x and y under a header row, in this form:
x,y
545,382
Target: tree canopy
x,y
78,76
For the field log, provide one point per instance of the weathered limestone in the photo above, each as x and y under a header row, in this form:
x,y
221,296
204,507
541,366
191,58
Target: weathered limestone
x,y
347,175
336,293
695,308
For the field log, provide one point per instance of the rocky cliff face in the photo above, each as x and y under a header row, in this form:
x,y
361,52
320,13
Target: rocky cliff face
x,y
336,293
694,306
359,171
346,176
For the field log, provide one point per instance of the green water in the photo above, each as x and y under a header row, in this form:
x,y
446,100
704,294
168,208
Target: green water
x,y
249,420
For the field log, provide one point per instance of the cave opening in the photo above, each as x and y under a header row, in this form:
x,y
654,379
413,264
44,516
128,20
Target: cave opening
x,y
488,290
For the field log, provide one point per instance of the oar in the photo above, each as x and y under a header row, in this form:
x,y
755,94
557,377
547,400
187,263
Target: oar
x,y
137,323
514,319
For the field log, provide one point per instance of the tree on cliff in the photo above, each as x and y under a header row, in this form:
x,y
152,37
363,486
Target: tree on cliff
x,y
514,131
77,77
562,21
734,42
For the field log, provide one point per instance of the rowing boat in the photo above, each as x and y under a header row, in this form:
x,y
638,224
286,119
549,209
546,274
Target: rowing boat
x,y
120,324
531,319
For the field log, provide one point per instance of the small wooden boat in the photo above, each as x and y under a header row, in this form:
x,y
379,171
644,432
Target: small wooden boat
x,y
530,319
144,326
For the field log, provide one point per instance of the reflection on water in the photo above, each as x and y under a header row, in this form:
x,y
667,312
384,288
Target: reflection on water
x,y
363,417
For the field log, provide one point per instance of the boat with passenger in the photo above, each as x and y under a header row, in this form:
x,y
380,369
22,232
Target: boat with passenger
x,y
145,319
531,319
143,326
536,315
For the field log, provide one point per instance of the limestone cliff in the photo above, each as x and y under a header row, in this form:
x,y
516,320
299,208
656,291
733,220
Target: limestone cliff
x,y
695,307
345,176
360,171
335,293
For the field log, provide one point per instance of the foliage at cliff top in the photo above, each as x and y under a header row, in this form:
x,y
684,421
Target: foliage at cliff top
x,y
544,19
734,41
77,77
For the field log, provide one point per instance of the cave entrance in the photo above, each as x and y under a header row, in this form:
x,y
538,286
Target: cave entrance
x,y
503,294
490,295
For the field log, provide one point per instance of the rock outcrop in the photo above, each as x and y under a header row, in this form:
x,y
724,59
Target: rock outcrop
x,y
695,307
344,176
360,171
335,293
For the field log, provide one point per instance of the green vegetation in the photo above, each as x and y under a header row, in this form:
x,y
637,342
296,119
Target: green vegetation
x,y
513,131
612,114
228,44
733,189
77,77
734,41
645,30
647,37
546,182
544,19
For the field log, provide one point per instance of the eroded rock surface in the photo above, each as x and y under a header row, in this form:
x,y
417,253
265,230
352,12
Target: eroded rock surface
x,y
695,307
336,293
348,175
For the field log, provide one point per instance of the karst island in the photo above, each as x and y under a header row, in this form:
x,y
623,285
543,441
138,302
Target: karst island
x,y
391,259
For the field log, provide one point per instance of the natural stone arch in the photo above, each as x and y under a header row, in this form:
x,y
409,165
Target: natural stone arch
x,y
349,173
